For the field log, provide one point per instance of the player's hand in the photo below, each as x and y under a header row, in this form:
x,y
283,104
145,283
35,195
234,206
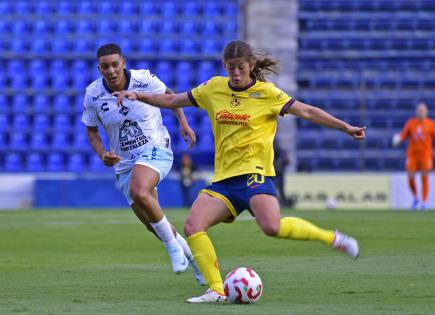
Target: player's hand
x,y
188,135
110,158
358,133
130,95
396,140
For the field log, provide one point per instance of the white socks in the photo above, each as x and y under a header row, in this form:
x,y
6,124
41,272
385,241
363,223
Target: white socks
x,y
184,246
164,231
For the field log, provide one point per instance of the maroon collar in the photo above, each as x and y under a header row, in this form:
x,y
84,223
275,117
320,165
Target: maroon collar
x,y
240,89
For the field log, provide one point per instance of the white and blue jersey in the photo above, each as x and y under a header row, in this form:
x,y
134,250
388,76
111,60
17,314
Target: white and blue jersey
x,y
132,128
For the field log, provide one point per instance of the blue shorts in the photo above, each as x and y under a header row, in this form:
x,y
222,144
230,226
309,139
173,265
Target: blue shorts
x,y
237,191
158,158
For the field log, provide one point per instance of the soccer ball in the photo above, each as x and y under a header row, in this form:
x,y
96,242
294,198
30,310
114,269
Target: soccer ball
x,y
243,286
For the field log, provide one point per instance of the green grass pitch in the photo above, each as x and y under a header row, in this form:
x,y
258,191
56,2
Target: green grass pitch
x,y
105,262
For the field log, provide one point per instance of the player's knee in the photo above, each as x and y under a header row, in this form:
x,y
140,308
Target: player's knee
x,y
270,228
192,226
141,196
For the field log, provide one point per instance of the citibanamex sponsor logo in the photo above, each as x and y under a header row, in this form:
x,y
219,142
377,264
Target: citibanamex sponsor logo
x,y
229,118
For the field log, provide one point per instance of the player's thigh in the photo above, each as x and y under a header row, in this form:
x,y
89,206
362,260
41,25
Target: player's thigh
x,y
205,212
143,179
411,164
267,212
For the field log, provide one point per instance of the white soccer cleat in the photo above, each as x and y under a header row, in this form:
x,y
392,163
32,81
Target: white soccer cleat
x,y
178,259
209,296
346,244
198,275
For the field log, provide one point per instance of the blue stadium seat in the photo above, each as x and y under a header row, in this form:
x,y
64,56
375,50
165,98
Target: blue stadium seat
x,y
22,8
206,69
168,9
60,140
18,141
230,10
55,162
82,47
59,82
38,141
37,67
105,27
105,7
16,66
80,140
168,47
209,28
83,27
5,122
84,7
184,71
209,47
40,28
229,30
127,8
19,27
39,46
63,27
19,82
190,9
5,7
35,162
189,28
146,27
80,82
60,46
41,122
18,45
20,122
20,103
57,66
188,47
211,9
128,46
76,163
64,8
165,72
126,26
41,104
167,27
43,8
147,46
206,141
62,104
61,122
13,162
3,141
148,8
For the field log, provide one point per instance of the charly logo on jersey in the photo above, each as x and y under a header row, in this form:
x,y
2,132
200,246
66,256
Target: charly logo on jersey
x,y
235,100
98,96
131,136
226,117
140,85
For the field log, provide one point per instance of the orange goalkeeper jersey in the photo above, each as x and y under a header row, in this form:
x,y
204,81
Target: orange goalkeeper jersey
x,y
420,134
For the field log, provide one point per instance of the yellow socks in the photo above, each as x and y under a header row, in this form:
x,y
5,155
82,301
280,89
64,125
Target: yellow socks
x,y
300,229
205,257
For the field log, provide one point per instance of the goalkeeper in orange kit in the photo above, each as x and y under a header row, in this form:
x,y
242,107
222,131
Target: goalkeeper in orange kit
x,y
420,131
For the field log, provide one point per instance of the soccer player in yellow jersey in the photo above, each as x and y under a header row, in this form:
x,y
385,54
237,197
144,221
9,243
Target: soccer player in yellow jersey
x,y
243,110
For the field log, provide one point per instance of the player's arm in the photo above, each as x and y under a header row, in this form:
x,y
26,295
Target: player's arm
x,y
320,117
187,132
108,158
158,100
398,138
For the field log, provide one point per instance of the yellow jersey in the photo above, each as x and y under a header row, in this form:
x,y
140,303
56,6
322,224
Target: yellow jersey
x,y
244,122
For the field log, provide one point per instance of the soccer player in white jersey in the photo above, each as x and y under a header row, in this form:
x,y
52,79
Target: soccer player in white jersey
x,y
140,146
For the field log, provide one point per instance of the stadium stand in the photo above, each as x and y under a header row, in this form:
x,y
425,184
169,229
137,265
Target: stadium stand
x,y
369,62
48,52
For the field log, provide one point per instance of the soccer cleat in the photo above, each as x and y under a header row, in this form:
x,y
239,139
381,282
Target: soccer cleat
x,y
415,204
178,259
198,275
346,244
209,296
423,206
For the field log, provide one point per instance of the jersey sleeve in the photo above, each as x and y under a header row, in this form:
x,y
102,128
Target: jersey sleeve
x,y
155,85
89,116
406,132
199,95
279,100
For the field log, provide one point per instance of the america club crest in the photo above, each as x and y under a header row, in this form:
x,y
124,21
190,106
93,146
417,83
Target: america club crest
x,y
235,101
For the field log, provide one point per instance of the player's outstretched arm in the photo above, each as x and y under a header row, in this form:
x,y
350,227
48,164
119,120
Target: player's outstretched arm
x,y
320,117
186,131
158,100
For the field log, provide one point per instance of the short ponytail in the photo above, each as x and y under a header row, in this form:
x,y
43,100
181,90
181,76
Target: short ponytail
x,y
264,67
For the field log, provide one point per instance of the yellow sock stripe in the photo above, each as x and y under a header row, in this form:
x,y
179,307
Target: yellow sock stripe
x,y
223,198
